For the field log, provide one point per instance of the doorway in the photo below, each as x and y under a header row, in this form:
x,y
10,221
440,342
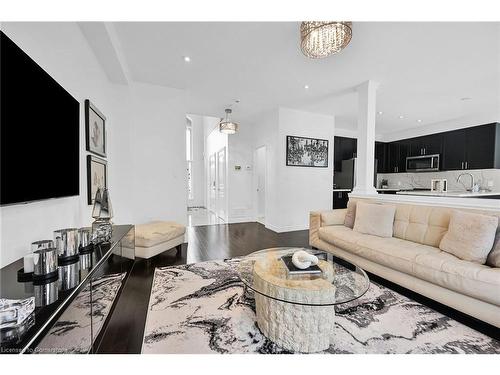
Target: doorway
x,y
260,174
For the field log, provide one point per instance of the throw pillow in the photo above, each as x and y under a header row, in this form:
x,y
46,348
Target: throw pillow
x,y
470,236
375,219
493,259
350,215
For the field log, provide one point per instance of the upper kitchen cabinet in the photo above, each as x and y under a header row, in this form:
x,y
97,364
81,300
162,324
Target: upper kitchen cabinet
x,y
396,156
426,145
483,147
472,148
453,157
381,156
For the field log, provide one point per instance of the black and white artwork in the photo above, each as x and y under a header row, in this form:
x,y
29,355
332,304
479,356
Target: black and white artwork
x,y
95,130
306,152
97,176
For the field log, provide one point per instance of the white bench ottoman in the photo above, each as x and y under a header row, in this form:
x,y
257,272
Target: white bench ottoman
x,y
158,236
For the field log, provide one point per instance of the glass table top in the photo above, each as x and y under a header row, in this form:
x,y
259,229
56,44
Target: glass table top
x,y
338,281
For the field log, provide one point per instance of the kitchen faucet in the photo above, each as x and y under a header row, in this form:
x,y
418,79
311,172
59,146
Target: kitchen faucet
x,y
472,184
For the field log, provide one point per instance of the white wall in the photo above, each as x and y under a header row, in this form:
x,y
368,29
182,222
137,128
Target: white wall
x,y
292,192
159,153
145,139
240,182
302,189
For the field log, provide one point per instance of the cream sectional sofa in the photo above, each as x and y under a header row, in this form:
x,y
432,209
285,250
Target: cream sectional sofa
x,y
412,258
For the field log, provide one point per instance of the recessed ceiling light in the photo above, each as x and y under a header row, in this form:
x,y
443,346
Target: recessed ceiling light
x,y
306,87
401,117
419,120
380,112
187,59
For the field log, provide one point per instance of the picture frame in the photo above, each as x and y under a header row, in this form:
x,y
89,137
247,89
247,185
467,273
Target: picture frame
x,y
306,152
97,176
95,130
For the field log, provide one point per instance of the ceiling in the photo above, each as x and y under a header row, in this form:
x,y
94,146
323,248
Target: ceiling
x,y
424,69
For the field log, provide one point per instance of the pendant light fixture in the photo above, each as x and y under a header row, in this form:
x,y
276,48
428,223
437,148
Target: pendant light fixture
x,y
227,126
319,39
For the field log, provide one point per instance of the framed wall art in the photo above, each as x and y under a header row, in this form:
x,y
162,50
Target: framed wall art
x,y
97,176
95,130
306,152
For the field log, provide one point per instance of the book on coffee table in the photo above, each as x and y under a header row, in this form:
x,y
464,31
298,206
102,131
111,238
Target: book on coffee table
x,y
292,270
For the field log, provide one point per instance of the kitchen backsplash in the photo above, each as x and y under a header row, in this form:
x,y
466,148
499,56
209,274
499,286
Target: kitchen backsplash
x,y
486,178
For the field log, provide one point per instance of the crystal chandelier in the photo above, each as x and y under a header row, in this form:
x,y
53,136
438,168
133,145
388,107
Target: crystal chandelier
x,y
227,126
320,39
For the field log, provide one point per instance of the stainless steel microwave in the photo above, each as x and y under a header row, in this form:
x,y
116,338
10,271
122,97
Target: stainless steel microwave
x,y
424,163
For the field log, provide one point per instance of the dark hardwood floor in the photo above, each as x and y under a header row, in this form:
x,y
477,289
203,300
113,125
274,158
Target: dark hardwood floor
x,y
125,329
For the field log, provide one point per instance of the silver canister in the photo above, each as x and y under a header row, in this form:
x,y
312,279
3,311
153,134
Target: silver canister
x,y
66,241
46,294
85,240
40,245
45,262
69,275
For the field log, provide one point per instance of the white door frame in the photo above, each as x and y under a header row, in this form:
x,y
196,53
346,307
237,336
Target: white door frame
x,y
212,179
222,206
256,186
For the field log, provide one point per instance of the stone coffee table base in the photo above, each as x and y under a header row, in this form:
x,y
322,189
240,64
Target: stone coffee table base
x,y
295,326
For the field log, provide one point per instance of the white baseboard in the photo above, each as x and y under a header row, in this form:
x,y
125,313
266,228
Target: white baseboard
x,y
242,219
288,228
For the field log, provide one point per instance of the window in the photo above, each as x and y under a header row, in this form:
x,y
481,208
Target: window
x,y
189,158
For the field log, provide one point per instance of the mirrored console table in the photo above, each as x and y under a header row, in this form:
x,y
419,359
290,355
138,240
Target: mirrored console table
x,y
72,311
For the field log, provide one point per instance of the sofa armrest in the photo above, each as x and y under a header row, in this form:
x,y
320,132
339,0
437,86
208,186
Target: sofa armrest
x,y
318,219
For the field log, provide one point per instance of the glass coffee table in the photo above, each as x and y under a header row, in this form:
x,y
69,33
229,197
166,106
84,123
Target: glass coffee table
x,y
297,311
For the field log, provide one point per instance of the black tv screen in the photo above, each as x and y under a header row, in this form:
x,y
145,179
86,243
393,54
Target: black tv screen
x,y
40,130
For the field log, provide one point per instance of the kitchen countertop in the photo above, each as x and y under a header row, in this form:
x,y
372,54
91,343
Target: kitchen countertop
x,y
335,189
388,189
459,194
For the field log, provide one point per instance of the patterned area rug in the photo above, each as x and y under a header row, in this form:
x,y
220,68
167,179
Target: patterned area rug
x,y
203,308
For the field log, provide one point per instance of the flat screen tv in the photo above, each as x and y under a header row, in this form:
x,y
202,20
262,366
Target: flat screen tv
x,y
40,129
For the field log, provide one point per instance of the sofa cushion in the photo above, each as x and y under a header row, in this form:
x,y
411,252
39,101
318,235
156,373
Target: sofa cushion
x,y
374,219
156,232
350,215
391,252
333,217
422,224
472,279
470,236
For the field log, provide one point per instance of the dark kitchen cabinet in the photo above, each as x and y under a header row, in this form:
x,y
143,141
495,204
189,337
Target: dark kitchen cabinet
x,y
453,157
381,156
392,157
480,142
343,148
426,145
396,156
340,199
477,147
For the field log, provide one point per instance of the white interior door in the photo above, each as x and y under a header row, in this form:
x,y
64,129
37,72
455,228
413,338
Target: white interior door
x,y
221,183
212,181
260,172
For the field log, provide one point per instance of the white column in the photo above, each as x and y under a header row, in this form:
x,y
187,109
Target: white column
x,y
367,95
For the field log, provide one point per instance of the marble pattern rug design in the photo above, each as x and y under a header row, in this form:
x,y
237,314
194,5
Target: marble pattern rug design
x,y
75,331
203,308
